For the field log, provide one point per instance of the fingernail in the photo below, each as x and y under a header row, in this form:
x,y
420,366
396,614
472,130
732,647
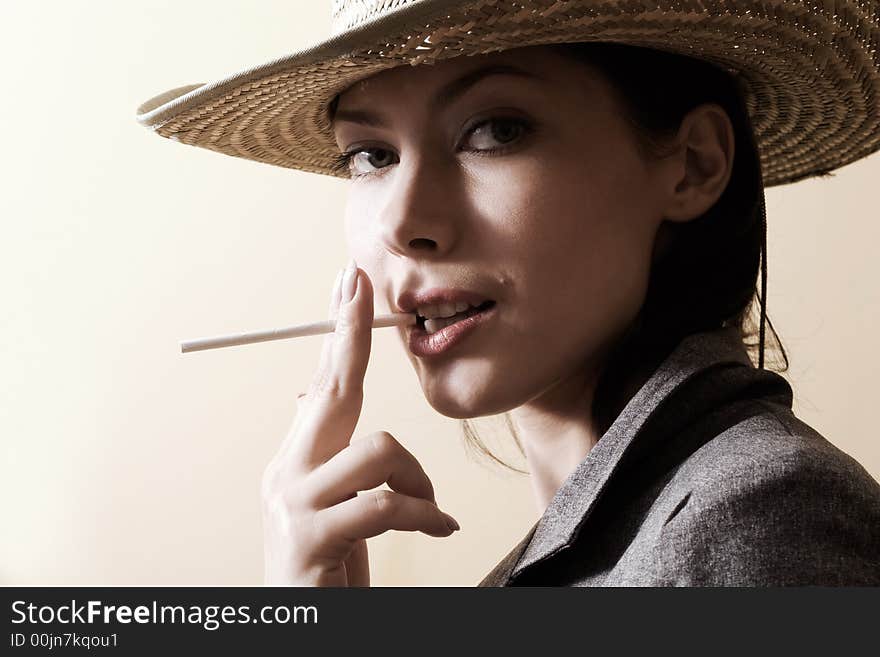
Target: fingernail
x,y
349,281
451,522
335,294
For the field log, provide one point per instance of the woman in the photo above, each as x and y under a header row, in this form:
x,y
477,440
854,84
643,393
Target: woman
x,y
593,215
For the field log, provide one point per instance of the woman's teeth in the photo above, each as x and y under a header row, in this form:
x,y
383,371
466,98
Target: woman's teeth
x,y
434,325
442,315
439,310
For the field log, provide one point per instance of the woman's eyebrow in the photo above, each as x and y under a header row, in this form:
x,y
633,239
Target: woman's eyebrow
x,y
444,96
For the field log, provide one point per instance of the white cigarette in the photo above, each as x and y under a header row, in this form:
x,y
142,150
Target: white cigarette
x,y
314,328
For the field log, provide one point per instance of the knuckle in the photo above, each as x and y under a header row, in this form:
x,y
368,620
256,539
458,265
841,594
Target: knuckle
x,y
322,383
346,326
280,488
269,483
324,387
308,492
320,534
384,501
331,389
275,504
383,443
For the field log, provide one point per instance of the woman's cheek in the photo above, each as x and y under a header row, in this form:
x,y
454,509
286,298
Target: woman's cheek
x,y
358,226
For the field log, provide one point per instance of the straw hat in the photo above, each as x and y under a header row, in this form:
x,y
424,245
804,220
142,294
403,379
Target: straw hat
x,y
810,70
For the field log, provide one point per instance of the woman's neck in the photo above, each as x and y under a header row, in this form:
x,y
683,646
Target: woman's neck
x,y
557,429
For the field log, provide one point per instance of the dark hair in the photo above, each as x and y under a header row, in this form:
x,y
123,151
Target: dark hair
x,y
706,279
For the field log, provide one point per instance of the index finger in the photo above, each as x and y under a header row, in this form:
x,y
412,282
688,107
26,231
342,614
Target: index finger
x,y
332,406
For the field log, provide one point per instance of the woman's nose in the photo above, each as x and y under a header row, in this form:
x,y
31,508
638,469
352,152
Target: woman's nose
x,y
421,213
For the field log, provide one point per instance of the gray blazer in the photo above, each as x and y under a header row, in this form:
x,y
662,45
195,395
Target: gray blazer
x,y
706,478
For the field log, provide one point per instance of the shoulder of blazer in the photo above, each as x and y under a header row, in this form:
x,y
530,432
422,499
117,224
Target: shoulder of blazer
x,y
643,421
705,411
771,502
706,371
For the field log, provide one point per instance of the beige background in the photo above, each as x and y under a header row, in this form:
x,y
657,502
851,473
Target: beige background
x,y
127,462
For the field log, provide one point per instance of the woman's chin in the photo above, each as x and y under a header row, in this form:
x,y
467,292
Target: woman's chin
x,y
465,386
455,411
462,403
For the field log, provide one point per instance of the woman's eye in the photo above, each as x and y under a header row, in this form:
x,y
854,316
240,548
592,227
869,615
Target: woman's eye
x,y
378,158
490,135
497,130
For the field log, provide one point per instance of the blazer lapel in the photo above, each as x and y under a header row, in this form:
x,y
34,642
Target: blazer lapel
x,y
577,497
501,573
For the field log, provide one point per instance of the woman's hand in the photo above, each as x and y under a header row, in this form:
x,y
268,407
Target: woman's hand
x,y
314,521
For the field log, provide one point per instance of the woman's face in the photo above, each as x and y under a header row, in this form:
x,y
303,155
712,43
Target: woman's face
x,y
523,183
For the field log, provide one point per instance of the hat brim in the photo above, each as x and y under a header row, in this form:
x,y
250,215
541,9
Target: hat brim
x,y
811,78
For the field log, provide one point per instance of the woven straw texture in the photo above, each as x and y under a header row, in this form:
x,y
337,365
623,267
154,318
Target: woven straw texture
x,y
810,69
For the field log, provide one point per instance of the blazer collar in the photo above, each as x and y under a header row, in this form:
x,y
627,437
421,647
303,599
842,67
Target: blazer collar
x,y
576,498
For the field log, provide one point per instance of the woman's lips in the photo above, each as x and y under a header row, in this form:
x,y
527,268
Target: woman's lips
x,y
424,345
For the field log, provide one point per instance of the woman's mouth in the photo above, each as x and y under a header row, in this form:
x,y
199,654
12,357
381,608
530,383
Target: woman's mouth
x,y
431,326
430,337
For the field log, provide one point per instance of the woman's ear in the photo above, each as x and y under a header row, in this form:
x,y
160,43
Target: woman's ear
x,y
701,165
